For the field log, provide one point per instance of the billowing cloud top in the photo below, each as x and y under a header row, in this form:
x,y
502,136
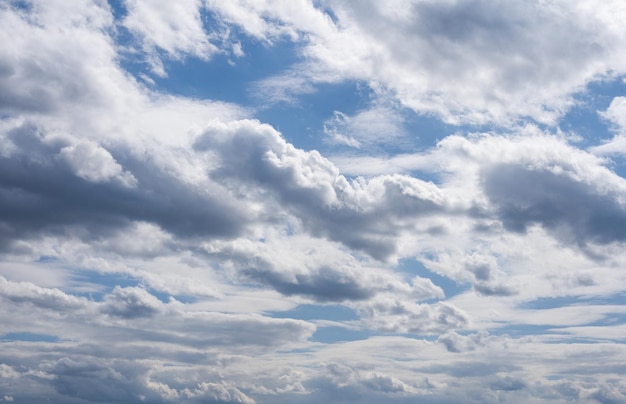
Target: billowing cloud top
x,y
302,201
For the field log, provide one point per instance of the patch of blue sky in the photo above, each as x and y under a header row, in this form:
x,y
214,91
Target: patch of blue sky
x,y
584,118
226,79
165,297
332,312
28,337
46,259
427,130
21,5
522,330
302,122
95,285
551,302
117,8
562,301
329,335
564,336
411,266
124,40
322,6
615,299
98,284
581,340
425,337
618,165
610,319
223,77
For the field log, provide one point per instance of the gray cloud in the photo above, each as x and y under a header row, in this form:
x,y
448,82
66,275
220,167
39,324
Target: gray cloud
x,y
315,269
496,289
98,172
458,343
144,317
130,303
92,380
366,216
43,298
396,370
323,284
574,211
40,194
388,313
386,384
53,74
508,383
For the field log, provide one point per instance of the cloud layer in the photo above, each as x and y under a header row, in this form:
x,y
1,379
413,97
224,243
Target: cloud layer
x,y
158,247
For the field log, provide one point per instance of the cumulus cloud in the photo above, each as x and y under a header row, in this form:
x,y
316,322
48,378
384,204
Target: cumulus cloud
x,y
459,343
131,302
94,163
576,212
390,314
359,214
165,249
79,201
53,71
569,192
314,269
366,215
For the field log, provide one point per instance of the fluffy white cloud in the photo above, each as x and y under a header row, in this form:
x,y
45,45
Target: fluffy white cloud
x,y
506,60
48,55
176,29
502,57
378,125
391,314
94,163
167,249
30,294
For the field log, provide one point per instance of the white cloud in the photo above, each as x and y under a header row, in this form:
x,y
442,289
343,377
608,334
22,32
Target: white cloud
x,y
389,313
271,20
131,302
371,127
164,248
314,269
44,298
176,28
614,114
94,163
367,215
501,56
49,63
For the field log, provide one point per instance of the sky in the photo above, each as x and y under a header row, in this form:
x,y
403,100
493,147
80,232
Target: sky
x,y
304,201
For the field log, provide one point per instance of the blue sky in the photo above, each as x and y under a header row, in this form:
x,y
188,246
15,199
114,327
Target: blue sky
x,y
301,201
